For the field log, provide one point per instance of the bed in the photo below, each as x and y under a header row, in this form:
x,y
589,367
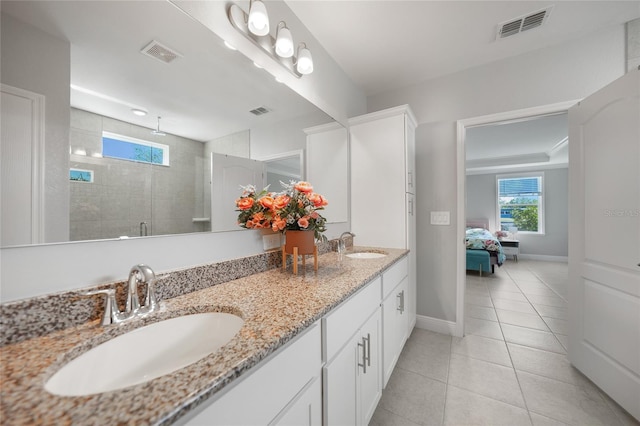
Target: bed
x,y
484,251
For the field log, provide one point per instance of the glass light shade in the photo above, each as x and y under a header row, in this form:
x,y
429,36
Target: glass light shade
x,y
258,18
305,62
284,42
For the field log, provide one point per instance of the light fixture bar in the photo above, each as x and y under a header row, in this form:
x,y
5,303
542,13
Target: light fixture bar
x,y
157,131
239,20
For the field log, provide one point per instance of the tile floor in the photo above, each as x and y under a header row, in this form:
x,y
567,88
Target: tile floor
x,y
510,368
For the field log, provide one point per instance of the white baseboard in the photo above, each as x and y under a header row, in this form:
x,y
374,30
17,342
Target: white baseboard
x,y
436,324
562,259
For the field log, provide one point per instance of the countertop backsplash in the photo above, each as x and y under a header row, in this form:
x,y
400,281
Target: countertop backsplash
x,y
38,316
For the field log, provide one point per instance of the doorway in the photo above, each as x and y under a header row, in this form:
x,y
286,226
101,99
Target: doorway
x,y
463,126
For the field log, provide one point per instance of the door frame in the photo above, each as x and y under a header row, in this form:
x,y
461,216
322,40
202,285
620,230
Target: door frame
x,y
461,190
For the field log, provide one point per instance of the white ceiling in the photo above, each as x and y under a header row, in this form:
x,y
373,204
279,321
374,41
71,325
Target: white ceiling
x,y
538,141
385,45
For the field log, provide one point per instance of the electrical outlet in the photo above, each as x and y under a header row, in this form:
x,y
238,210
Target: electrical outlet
x,y
440,218
270,242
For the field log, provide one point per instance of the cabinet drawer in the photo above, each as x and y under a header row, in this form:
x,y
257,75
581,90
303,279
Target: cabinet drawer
x,y
510,250
394,275
341,323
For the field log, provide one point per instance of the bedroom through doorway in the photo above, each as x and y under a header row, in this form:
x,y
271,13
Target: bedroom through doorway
x,y
513,180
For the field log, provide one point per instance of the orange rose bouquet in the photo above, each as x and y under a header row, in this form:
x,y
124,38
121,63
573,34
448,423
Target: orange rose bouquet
x,y
295,208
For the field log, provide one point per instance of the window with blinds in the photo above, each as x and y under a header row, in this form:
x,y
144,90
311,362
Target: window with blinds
x,y
520,202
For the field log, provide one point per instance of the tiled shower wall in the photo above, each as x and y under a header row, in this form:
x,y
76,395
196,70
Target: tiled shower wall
x,y
126,193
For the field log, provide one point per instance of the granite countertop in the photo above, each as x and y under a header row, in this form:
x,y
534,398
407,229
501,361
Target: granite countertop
x,y
275,305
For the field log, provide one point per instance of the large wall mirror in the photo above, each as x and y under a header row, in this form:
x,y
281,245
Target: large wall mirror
x,y
119,58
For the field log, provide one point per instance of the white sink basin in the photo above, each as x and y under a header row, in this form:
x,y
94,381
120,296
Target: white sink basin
x,y
365,255
145,353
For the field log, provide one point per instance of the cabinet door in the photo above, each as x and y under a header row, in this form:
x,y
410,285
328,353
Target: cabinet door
x,y
370,379
410,151
378,167
411,296
394,328
340,390
306,409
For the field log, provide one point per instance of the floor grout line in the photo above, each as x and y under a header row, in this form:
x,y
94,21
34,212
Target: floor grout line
x,y
513,367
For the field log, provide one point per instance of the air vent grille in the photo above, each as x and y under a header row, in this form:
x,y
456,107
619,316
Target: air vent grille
x,y
510,28
160,52
260,110
523,23
533,21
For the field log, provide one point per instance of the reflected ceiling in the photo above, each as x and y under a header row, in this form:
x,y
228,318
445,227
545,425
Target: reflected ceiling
x,y
207,92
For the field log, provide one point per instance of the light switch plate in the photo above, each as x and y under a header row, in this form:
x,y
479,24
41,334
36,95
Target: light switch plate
x,y
270,242
440,218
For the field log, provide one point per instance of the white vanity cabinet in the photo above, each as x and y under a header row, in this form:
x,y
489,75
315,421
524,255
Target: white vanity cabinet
x,y
352,350
395,315
383,186
285,389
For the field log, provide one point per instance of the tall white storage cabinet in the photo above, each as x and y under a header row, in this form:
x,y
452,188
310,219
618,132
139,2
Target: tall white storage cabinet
x,y
383,211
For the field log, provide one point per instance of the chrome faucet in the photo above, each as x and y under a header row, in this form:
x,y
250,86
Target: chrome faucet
x,y
342,245
138,274
141,273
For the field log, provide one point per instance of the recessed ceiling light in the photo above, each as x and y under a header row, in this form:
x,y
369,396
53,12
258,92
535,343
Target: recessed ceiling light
x,y
139,112
229,45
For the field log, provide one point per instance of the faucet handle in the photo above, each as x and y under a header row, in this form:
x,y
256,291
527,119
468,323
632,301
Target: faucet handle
x,y
111,313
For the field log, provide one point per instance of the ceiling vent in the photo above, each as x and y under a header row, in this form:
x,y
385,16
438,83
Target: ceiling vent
x,y
523,23
260,110
160,52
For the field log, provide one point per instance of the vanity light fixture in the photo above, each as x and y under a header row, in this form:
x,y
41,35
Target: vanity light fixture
x,y
157,131
139,112
258,21
281,48
304,64
284,41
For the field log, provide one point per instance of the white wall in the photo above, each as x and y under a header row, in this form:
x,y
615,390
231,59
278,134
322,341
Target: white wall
x,y
35,61
555,74
284,136
481,203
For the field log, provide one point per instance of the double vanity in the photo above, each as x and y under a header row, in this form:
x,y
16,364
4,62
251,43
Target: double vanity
x,y
283,349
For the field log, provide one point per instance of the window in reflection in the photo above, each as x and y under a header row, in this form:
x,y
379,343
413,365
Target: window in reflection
x,y
124,148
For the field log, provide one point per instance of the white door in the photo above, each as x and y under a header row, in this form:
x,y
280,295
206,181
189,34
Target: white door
x,y
22,165
604,239
228,173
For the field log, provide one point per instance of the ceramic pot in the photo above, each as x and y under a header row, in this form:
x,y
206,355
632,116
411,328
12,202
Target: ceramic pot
x,y
304,240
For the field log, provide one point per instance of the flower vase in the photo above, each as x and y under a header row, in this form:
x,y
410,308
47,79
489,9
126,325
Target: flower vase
x,y
304,240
